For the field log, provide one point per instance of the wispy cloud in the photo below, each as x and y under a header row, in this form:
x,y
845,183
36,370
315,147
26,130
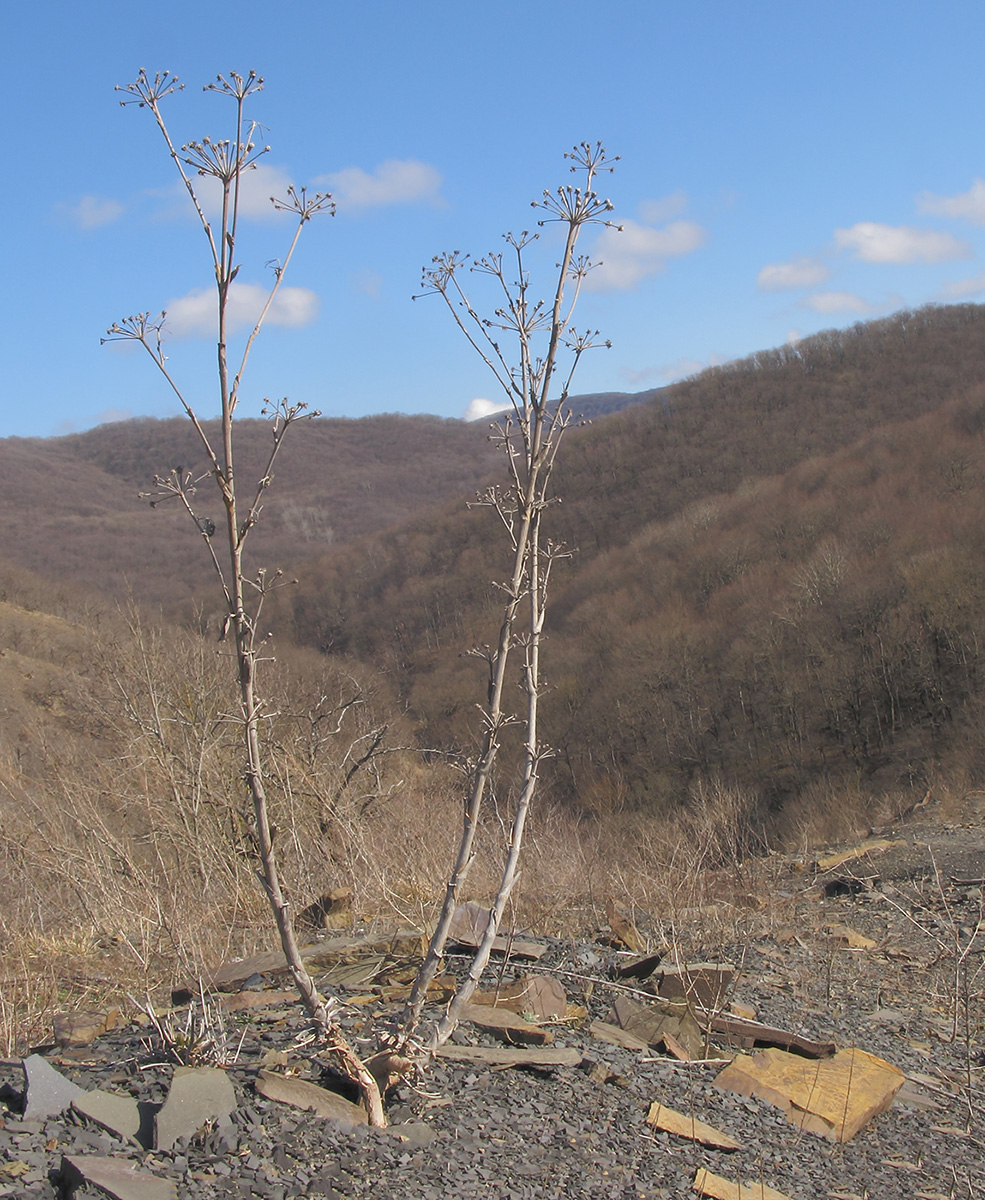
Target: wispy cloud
x,y
661,373
109,415
396,181
367,283
91,212
480,408
653,212
874,243
968,206
194,314
972,286
633,253
836,302
799,272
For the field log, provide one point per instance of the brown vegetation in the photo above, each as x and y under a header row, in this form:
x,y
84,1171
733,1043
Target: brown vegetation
x,y
772,631
751,605
125,839
73,512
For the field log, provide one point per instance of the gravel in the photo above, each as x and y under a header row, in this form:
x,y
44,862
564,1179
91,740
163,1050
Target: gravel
x,y
461,1130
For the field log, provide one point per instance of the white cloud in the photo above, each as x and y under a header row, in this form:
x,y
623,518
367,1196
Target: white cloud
x,y
875,243
969,206
797,273
652,212
92,211
109,415
479,408
194,314
681,368
836,302
662,373
972,286
794,336
393,182
632,254
256,186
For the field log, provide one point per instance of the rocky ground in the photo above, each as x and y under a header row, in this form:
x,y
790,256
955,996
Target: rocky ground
x,y
914,998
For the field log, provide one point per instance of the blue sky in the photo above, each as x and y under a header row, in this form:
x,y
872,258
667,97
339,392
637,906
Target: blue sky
x,y
785,168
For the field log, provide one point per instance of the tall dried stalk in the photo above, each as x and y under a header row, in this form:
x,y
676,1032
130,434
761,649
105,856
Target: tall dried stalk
x,y
547,352
227,161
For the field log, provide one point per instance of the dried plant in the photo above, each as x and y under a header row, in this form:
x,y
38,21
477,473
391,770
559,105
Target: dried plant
x,y
535,377
227,161
197,1037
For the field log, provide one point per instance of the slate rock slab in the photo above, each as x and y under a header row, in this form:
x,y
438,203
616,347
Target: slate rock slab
x,y
116,1177
47,1093
198,1096
301,1094
113,1112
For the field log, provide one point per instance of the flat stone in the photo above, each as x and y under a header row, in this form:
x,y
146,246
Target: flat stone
x,y
871,846
832,1097
116,1177
397,943
113,1112
468,928
652,1022
846,938
624,931
244,1000
413,1134
688,1126
506,1025
198,1096
537,997
511,1056
299,1093
47,1093
616,1036
702,983
74,1029
719,1188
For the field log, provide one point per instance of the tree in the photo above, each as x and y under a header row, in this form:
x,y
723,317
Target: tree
x,y
547,351
228,161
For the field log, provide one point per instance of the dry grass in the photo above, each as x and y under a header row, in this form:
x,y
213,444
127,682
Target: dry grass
x,y
100,912
127,856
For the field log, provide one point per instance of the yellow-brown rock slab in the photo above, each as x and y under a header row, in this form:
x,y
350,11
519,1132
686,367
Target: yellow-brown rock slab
x,y
622,927
848,938
538,997
832,1097
506,1025
74,1029
723,1189
681,1125
242,1001
871,846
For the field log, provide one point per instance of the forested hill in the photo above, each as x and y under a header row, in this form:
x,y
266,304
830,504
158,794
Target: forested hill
x,y
777,581
777,578
73,510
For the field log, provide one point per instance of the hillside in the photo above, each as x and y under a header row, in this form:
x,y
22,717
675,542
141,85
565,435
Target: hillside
x,y
73,511
775,584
